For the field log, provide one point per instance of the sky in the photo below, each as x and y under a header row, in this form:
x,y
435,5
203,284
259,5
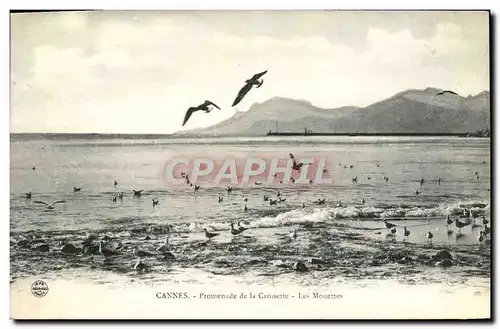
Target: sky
x,y
139,71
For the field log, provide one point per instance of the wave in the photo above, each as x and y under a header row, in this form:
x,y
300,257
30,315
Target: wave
x,y
126,226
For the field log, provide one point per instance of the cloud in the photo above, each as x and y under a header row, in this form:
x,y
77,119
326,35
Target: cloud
x,y
126,74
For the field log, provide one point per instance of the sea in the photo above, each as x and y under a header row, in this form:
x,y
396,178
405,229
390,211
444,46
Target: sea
x,y
341,245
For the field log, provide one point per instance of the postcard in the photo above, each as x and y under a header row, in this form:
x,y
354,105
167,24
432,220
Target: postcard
x,y
250,164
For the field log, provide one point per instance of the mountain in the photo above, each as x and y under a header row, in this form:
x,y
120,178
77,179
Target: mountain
x,y
410,111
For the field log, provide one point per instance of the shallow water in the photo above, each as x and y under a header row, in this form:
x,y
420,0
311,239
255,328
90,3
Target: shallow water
x,y
347,240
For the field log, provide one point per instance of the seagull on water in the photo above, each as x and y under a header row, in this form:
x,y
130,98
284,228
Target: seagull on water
x,y
234,231
140,266
165,246
487,230
51,206
388,225
406,234
28,195
296,166
429,237
254,81
480,238
210,235
77,189
448,221
320,201
459,225
241,228
141,253
137,193
205,107
105,251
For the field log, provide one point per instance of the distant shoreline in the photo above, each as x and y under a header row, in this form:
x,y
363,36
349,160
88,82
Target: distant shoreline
x,y
24,136
374,134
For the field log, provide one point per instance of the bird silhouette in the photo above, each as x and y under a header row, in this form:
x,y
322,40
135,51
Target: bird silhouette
x,y
296,166
202,107
209,235
442,92
406,234
105,251
51,206
254,81
388,225
429,237
234,231
241,228
141,253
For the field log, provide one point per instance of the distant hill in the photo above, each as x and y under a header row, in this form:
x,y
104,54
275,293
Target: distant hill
x,y
410,111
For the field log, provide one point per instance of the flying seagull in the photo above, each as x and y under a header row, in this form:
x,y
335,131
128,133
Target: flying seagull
x,y
201,107
442,92
296,166
254,81
49,206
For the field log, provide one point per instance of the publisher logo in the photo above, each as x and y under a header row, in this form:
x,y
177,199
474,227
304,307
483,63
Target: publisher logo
x,y
39,288
252,170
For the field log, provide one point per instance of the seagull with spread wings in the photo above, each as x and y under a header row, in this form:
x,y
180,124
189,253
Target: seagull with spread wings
x,y
254,81
442,92
51,206
296,166
202,107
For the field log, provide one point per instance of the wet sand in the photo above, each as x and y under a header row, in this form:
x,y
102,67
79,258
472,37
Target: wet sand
x,y
389,278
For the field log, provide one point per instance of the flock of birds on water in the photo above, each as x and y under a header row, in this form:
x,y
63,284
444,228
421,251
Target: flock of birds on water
x,y
470,216
237,230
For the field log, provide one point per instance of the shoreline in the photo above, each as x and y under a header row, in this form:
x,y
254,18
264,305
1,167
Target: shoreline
x,y
376,134
55,136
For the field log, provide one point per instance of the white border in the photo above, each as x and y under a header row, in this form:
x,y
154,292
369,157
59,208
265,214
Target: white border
x,y
183,4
